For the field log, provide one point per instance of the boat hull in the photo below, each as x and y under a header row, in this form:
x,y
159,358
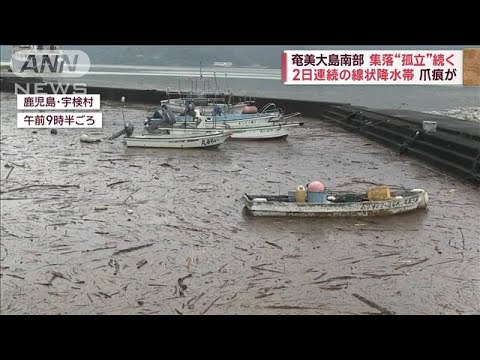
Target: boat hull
x,y
241,120
263,133
258,206
178,141
235,120
178,107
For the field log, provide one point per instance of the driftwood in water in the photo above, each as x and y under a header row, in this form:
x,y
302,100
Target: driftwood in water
x,y
45,186
118,182
131,249
182,286
373,305
412,264
13,167
141,263
208,308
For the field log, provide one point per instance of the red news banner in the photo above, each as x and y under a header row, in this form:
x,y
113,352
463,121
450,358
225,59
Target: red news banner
x,y
372,67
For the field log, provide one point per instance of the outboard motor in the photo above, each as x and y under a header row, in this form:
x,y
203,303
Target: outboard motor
x,y
217,110
151,124
157,114
169,117
190,109
161,118
129,129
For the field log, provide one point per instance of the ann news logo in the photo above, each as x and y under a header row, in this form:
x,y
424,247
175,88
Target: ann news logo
x,y
48,61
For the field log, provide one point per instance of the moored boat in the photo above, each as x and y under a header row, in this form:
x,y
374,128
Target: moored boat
x,y
339,205
207,106
234,120
161,134
261,132
164,115
179,139
245,131
279,131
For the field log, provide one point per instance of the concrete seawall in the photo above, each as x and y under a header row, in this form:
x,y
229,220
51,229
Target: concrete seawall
x,y
153,97
454,147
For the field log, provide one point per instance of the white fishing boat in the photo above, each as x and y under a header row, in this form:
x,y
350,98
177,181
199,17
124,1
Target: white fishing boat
x,y
249,127
274,131
272,115
204,104
239,120
232,120
164,136
165,118
254,132
353,206
202,97
179,139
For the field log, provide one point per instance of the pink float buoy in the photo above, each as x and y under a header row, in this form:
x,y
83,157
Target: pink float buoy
x,y
316,186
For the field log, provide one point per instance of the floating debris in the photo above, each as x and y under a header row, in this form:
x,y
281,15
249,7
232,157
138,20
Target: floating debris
x,y
100,208
87,139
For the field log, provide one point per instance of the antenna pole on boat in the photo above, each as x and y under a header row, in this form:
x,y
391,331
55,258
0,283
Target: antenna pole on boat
x,y
123,115
226,82
215,77
126,129
201,76
185,120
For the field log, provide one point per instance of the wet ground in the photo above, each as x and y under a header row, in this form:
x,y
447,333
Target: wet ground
x,y
94,228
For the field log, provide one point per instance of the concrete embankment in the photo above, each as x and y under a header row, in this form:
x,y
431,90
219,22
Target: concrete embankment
x,y
454,147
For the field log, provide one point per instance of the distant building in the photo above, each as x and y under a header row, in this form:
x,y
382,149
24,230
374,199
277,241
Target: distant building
x,y
222,64
16,48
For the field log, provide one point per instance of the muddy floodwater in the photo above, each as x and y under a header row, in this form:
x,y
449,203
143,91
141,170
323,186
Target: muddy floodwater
x,y
95,228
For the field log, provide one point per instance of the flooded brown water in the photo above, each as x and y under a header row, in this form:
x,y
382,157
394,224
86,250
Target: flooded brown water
x,y
187,246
